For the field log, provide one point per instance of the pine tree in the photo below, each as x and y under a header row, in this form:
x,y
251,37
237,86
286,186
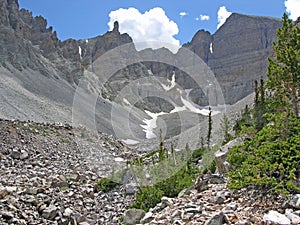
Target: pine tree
x,y
259,105
225,129
209,128
284,69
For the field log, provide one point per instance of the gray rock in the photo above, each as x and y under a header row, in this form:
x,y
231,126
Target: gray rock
x,y
295,219
15,153
295,201
218,200
231,206
147,218
24,155
192,210
130,189
216,219
68,212
165,201
275,217
221,155
50,212
7,215
133,216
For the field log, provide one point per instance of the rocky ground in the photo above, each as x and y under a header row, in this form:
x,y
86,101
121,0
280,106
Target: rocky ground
x,y
215,204
48,175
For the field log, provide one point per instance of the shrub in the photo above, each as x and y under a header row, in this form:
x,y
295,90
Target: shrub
x,y
106,185
147,198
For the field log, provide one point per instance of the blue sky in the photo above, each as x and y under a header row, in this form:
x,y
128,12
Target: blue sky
x,y
174,21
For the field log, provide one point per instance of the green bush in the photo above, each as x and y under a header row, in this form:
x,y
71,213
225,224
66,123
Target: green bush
x,y
172,186
147,198
270,160
106,185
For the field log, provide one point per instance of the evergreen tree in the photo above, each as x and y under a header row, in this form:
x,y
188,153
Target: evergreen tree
x,y
284,69
259,105
225,129
209,128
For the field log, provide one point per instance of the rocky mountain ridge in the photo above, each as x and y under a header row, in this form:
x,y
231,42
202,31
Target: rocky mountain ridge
x,y
237,53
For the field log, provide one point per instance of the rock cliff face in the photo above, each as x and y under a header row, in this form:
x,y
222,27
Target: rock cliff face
x,y
237,53
26,42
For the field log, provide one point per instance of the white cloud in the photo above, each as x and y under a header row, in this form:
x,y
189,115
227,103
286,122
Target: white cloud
x,y
223,14
293,8
182,14
151,29
202,17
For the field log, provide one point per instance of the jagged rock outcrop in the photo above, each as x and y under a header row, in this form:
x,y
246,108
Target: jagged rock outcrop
x,y
26,42
200,44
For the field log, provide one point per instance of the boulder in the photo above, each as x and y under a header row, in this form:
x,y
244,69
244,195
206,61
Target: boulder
x,y
275,217
295,201
221,155
133,216
216,219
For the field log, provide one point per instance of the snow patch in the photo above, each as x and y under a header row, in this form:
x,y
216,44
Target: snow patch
x,y
211,48
130,141
150,124
150,72
178,109
126,101
190,106
172,83
80,51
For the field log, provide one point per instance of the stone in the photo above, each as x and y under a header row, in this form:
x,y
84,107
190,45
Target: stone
x,y
231,206
147,218
15,154
3,193
84,223
130,189
24,155
221,155
216,219
68,212
295,219
276,218
165,201
295,201
73,177
192,210
218,200
6,215
50,212
133,216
